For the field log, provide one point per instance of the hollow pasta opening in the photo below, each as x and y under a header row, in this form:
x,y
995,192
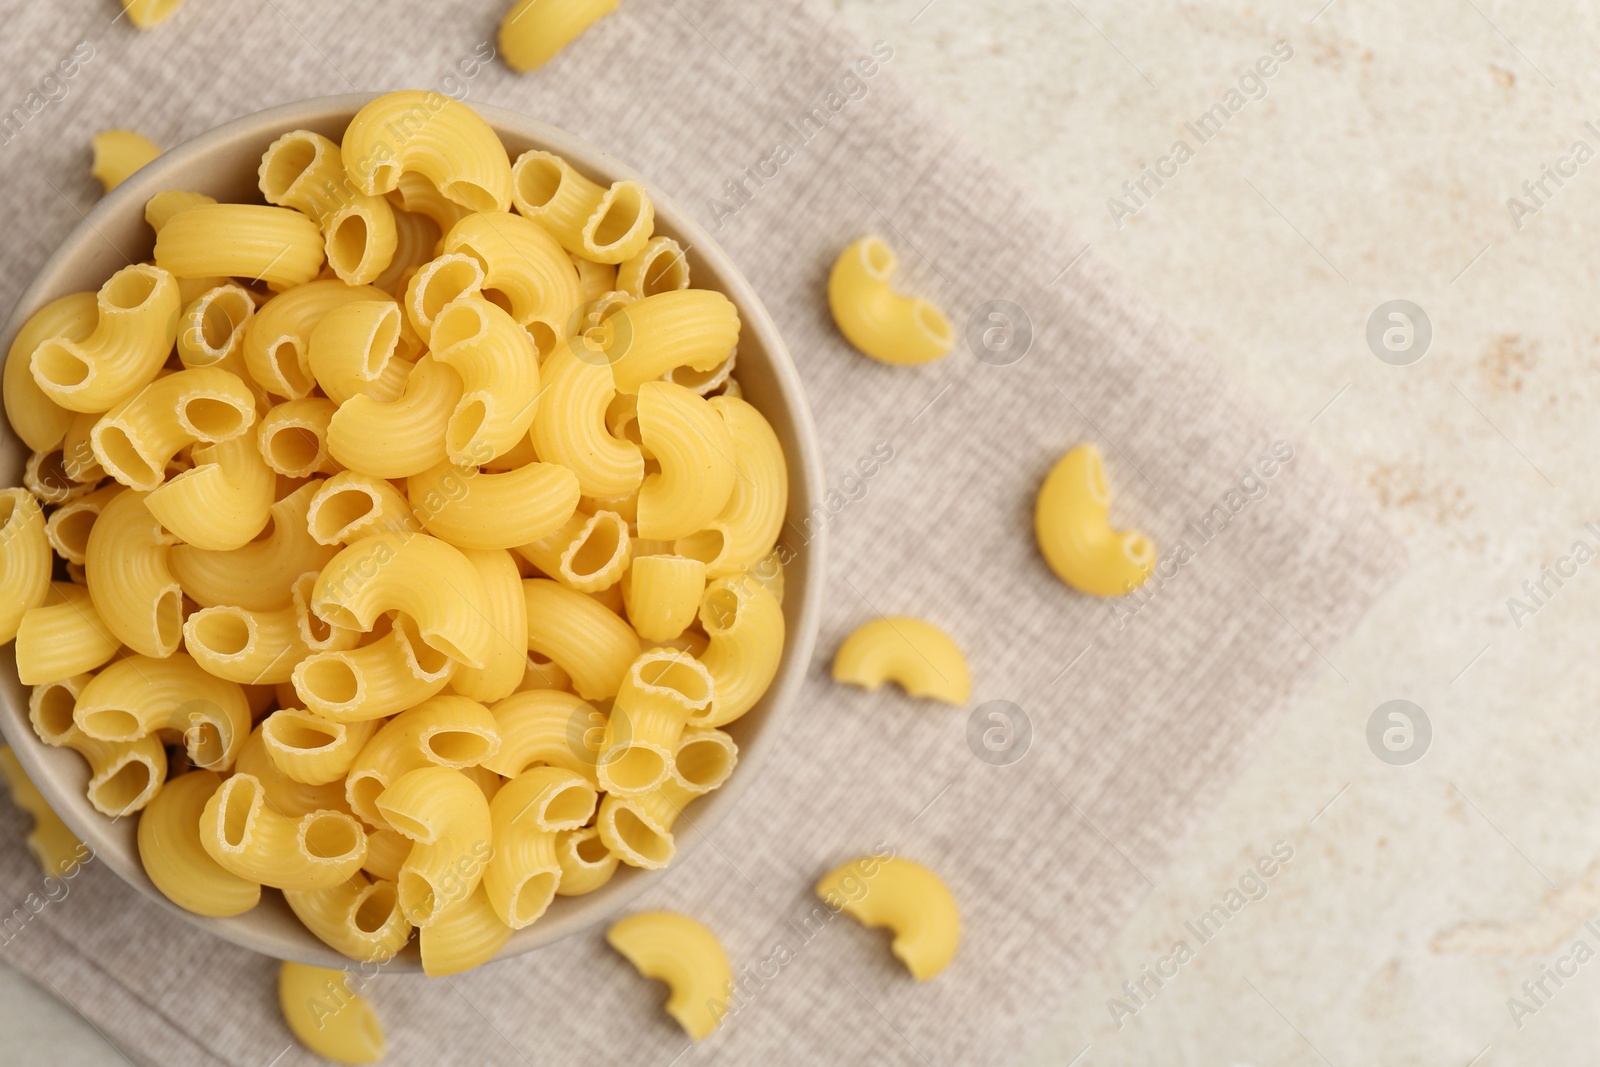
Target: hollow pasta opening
x,y
465,423
623,210
203,741
705,546
224,633
293,450
331,680
640,838
129,289
118,724
239,803
219,319
427,663
287,360
704,763
59,367
376,908
292,731
211,419
169,619
330,836
665,271
72,529
123,788
598,548
8,511
719,611
473,195
544,337
878,257
341,509
381,345
677,674
570,805
931,321
636,769
294,156
124,457
446,282
533,896
456,323
363,793
538,179
590,850
347,243
418,893
499,300
52,711
458,748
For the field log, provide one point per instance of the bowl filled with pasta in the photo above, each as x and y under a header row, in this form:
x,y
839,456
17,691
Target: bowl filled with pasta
x,y
395,569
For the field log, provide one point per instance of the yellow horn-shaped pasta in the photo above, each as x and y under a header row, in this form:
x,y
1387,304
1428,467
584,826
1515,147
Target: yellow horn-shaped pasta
x,y
176,861
133,588
1072,523
284,794
38,420
148,14
222,502
607,225
442,139
293,437
445,813
747,527
694,449
571,430
462,937
212,331
25,560
54,847
524,266
312,748
388,674
137,324
277,342
695,328
326,1016
259,576
687,957
586,862
354,351
422,576
62,637
244,834
880,322
662,689
907,898
136,440
587,553
359,918
745,624
137,696
275,245
523,873
584,637
351,505
305,170
118,153
445,731
534,31
506,608
505,510
402,437
918,655
546,727
499,369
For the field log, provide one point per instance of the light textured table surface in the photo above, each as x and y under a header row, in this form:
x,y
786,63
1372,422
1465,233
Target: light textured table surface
x,y
1376,166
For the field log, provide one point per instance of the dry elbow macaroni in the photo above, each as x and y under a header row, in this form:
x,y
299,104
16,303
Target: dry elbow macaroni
x,y
1072,523
377,500
879,321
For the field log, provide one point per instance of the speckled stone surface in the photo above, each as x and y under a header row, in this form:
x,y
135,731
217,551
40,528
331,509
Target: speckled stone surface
x,y
1377,165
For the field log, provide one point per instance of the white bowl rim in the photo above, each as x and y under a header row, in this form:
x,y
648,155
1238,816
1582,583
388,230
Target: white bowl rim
x,y
805,474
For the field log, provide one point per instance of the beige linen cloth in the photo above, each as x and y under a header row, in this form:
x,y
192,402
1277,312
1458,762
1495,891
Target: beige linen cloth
x,y
1137,724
